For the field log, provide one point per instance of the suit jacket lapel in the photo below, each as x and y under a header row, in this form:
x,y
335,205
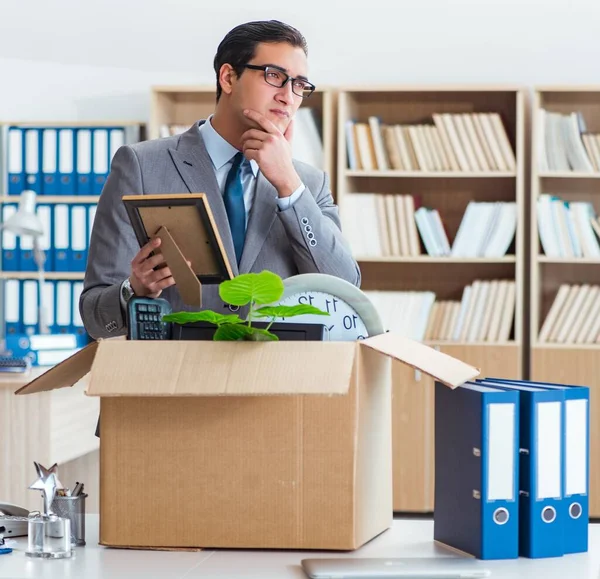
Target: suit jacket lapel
x,y
261,219
195,167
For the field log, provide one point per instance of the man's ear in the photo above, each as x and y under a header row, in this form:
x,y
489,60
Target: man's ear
x,y
227,77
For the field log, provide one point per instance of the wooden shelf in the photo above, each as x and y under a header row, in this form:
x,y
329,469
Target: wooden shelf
x,y
79,123
54,199
427,259
565,346
568,175
67,275
439,343
568,260
431,174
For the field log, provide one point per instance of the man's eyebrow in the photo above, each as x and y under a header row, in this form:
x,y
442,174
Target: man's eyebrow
x,y
300,76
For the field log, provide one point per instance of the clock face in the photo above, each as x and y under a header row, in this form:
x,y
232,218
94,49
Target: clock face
x,y
343,322
352,315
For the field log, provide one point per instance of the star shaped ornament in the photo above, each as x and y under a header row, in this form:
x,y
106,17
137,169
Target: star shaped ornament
x,y
48,483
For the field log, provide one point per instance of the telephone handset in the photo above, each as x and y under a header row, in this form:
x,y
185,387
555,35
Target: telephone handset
x,y
13,520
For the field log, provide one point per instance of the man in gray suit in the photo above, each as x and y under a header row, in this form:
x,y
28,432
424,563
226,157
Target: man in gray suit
x,y
272,212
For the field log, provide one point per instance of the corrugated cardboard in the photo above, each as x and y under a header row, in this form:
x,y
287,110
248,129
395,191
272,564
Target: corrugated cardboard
x,y
246,444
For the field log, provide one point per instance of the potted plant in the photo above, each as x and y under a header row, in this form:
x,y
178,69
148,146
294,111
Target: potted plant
x,y
256,290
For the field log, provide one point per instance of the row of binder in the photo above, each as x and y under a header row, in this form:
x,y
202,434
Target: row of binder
x,y
63,160
65,243
22,299
512,468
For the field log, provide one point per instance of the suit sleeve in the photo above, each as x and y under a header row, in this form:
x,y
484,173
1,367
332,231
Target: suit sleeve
x,y
313,227
112,247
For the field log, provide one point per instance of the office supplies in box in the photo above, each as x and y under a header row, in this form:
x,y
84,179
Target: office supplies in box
x,y
278,445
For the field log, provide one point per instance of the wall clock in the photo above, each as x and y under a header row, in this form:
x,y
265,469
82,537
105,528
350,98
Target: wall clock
x,y
352,315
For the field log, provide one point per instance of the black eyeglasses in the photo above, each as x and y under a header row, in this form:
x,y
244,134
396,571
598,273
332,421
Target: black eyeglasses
x,y
278,78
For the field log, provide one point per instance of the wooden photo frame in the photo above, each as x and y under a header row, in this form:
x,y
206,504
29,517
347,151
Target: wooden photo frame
x,y
188,231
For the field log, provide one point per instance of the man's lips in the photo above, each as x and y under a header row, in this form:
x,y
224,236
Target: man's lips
x,y
280,113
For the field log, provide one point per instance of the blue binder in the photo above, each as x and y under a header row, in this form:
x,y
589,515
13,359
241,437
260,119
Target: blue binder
x,y
542,514
100,159
16,166
33,159
12,307
84,161
476,470
66,161
576,441
10,242
51,181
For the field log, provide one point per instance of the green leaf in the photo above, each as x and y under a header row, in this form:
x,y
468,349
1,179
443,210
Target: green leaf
x,y
232,332
262,335
203,316
261,288
288,311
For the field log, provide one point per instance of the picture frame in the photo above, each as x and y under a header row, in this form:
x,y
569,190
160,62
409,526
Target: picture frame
x,y
191,225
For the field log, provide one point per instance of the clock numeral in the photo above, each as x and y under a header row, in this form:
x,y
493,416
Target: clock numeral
x,y
306,300
360,337
350,322
332,303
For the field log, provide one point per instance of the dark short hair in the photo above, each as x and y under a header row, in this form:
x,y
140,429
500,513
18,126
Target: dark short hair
x,y
239,45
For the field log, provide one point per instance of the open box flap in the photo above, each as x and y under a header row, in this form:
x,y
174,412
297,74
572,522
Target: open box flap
x,y
207,368
438,365
66,373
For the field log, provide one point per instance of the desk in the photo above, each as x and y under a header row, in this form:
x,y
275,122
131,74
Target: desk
x,y
406,538
47,427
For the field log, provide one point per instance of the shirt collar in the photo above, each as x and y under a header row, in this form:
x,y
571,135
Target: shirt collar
x,y
219,150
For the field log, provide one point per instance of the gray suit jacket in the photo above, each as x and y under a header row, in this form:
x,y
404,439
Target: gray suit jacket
x,y
275,240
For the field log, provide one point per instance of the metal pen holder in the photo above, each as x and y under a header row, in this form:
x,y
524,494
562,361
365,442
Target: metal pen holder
x,y
72,508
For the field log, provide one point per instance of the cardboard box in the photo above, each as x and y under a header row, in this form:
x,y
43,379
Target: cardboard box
x,y
246,444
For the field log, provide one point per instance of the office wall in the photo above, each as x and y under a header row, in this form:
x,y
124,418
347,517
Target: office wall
x,y
97,59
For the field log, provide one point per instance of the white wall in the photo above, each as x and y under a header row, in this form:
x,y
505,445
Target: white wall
x,y
97,59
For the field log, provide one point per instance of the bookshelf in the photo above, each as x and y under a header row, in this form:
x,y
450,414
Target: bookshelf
x,y
564,248
180,106
66,164
437,179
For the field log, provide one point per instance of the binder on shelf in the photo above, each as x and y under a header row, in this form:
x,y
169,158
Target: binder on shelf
x,y
84,161
62,238
15,153
100,159
476,470
10,242
79,237
26,255
66,161
33,154
29,306
44,212
12,307
541,506
50,305
51,176
63,307
576,463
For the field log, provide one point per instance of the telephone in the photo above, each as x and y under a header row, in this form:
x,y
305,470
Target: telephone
x,y
13,520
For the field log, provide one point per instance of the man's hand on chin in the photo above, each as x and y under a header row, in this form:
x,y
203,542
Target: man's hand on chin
x,y
272,150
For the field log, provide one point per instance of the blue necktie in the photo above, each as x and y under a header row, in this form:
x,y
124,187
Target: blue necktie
x,y
233,198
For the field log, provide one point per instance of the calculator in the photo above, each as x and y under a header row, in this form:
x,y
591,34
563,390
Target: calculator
x,y
144,319
13,364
